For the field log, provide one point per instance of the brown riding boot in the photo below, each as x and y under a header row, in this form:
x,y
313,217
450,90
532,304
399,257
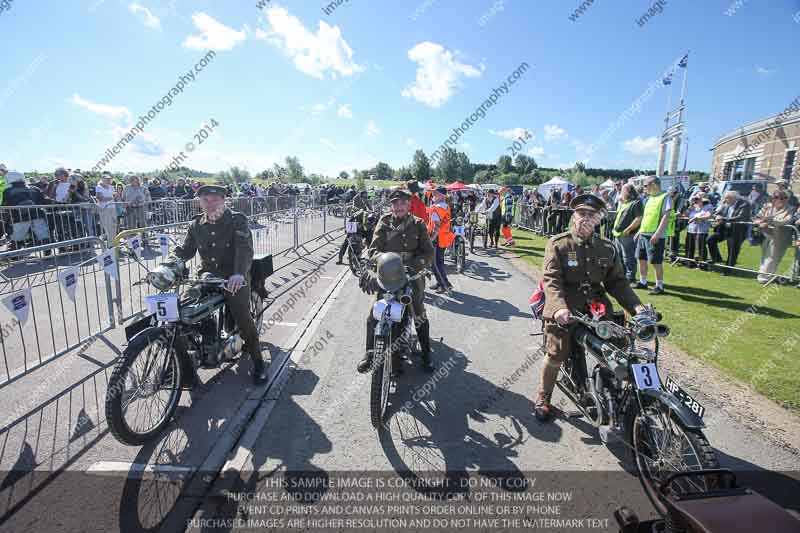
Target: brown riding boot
x,y
543,409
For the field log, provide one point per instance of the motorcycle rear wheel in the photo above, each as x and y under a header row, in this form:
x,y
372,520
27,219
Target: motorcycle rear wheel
x,y
679,449
380,386
152,353
256,307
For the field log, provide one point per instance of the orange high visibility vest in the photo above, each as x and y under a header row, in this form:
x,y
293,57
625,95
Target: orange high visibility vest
x,y
446,236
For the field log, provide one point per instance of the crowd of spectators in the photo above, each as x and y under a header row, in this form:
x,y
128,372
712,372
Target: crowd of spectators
x,y
770,220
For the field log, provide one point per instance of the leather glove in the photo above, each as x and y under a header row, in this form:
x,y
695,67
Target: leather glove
x,y
369,282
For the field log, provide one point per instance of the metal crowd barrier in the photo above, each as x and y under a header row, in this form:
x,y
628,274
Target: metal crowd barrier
x,y
673,244
548,221
58,318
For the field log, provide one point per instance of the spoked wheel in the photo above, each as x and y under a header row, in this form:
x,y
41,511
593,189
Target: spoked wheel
x,y
461,256
381,381
144,388
662,445
484,233
257,306
472,241
354,260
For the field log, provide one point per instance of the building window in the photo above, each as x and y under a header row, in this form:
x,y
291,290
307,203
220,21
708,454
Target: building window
x,y
726,173
788,165
738,169
749,167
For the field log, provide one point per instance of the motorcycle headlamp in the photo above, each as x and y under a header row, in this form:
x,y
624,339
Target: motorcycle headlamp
x,y
459,221
162,278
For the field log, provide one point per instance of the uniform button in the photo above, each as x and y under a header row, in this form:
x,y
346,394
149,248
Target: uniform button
x,y
212,233
213,244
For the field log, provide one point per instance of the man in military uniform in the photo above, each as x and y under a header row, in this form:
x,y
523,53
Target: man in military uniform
x,y
406,235
579,268
225,243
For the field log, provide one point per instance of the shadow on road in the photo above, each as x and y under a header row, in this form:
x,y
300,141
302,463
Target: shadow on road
x,y
475,306
429,435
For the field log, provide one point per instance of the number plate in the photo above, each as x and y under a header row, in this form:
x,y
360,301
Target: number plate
x,y
351,227
164,306
684,397
646,376
458,230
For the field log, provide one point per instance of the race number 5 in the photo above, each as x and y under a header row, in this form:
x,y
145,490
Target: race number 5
x,y
164,306
646,376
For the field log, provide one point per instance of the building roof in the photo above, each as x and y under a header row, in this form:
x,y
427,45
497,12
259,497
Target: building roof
x,y
759,125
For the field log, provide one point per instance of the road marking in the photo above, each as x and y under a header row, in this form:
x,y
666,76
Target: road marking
x,y
327,277
290,324
140,471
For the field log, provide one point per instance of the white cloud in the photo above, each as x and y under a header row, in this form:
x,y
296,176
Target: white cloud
x,y
372,129
313,53
345,111
145,15
465,147
328,143
640,146
119,114
213,34
553,132
411,142
513,134
438,74
762,71
536,151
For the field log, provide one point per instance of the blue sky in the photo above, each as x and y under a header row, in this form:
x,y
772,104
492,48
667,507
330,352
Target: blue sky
x,y
375,80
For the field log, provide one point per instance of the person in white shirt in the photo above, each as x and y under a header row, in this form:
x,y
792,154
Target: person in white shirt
x,y
106,195
63,187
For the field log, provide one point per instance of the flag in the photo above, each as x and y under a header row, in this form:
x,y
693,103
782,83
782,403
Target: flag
x,y
537,301
668,79
684,61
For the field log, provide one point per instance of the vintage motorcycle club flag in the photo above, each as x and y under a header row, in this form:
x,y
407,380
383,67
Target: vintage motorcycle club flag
x,y
19,303
537,301
135,244
163,243
68,278
109,263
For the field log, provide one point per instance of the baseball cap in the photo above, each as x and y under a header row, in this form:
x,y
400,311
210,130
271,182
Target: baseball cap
x,y
652,179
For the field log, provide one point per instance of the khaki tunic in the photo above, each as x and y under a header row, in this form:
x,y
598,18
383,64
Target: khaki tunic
x,y
408,237
575,273
226,249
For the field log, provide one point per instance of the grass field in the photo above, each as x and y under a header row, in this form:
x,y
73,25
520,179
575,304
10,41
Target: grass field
x,y
712,319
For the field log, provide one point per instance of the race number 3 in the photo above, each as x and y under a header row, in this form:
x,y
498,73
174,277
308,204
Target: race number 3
x,y
646,376
164,306
458,230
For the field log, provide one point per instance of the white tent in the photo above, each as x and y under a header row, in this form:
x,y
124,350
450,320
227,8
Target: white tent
x,y
556,181
608,184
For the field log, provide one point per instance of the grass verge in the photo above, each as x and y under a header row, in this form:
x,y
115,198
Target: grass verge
x,y
711,318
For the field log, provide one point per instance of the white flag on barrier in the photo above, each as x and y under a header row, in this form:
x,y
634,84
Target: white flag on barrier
x,y
163,243
68,278
109,263
19,303
135,244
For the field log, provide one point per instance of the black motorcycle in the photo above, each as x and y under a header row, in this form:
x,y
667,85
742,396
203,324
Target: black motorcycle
x,y
181,334
395,339
613,380
458,250
358,235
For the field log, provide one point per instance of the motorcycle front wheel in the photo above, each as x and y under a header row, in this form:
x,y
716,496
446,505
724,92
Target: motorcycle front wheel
x,y
144,388
461,256
381,381
662,445
354,260
472,241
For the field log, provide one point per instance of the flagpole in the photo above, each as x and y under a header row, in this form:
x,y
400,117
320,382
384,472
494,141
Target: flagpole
x,y
685,74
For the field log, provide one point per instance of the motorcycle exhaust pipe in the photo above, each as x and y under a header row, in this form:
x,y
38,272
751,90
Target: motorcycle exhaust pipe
x,y
662,330
405,299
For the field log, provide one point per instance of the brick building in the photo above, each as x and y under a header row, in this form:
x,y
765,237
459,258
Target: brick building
x,y
765,149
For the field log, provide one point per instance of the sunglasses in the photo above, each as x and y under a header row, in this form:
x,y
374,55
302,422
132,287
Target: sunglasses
x,y
779,197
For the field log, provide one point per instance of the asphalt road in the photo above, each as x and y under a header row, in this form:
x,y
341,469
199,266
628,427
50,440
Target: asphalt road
x,y
476,417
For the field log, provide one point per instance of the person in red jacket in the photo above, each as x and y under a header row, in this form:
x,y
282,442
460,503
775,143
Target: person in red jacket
x,y
417,207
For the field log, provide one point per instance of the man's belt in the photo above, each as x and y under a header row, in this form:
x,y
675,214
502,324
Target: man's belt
x,y
588,289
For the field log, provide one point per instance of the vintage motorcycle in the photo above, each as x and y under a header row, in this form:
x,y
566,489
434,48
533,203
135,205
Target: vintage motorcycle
x,y
395,339
476,225
458,250
725,507
180,334
357,235
613,380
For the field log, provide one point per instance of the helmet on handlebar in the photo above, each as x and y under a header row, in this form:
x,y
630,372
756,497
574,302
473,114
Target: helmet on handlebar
x,y
391,271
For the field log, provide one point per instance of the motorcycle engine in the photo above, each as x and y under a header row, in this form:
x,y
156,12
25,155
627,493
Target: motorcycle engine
x,y
207,341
